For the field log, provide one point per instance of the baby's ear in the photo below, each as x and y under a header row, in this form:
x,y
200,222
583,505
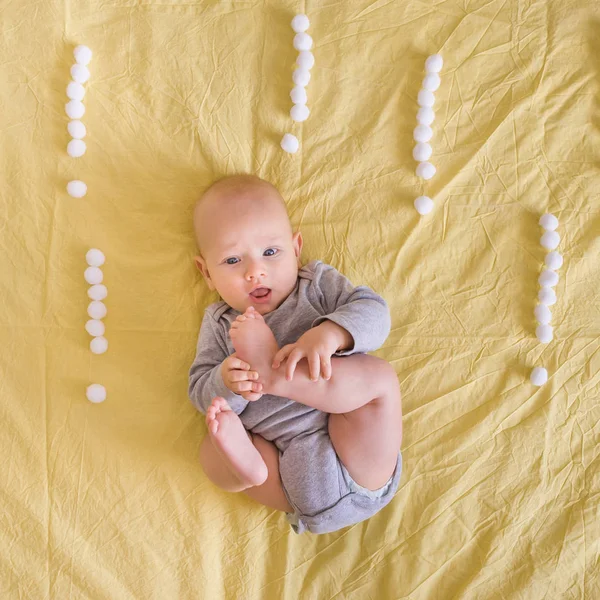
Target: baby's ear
x,y
201,264
297,241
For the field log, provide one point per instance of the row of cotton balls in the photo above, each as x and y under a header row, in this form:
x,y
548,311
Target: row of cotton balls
x,y
75,108
96,308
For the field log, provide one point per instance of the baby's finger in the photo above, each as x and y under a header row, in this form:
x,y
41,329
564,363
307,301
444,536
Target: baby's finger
x,y
251,396
233,362
239,375
326,367
314,365
246,386
282,355
295,356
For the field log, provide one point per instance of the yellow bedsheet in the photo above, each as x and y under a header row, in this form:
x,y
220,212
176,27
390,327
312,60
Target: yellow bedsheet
x,y
501,486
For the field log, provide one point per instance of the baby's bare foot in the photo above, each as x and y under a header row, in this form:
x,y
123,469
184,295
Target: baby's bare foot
x,y
229,437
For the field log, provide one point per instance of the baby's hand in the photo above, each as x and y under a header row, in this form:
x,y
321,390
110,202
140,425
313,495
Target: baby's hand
x,y
240,379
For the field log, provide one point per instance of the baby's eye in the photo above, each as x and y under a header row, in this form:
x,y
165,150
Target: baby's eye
x,y
271,252
232,261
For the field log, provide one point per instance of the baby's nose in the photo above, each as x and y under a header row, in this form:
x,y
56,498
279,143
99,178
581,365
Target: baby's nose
x,y
255,271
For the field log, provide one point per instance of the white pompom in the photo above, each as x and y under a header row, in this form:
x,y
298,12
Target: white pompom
x,y
539,376
299,112
301,77
95,328
76,130
95,257
99,345
544,333
424,205
425,170
431,82
80,73
554,260
75,109
98,292
93,275
298,95
97,309
76,188
75,91
82,54
542,314
290,143
549,222
302,41
547,296
300,23
425,116
96,393
434,63
306,59
422,133
425,98
422,152
550,240
76,148
548,278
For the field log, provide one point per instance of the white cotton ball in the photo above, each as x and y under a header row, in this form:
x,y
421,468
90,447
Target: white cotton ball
x,y
547,296
301,77
96,393
424,205
422,133
95,257
549,222
298,95
306,59
290,143
425,116
548,278
99,345
542,314
82,54
76,130
75,91
80,73
554,260
300,23
98,292
434,63
431,82
75,109
425,98
93,275
422,152
76,148
539,376
95,328
97,309
76,188
544,333
299,112
425,170
550,240
302,41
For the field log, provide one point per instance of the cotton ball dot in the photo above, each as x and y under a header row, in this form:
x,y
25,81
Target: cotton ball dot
x,y
542,314
424,205
302,41
98,292
96,309
76,188
76,148
95,257
544,333
554,260
298,95
95,327
549,222
425,170
539,376
548,278
80,73
290,143
76,129
547,296
96,393
93,275
299,112
434,63
306,59
301,77
75,91
431,82
82,54
422,152
550,240
425,98
75,109
300,23
425,116
99,345
422,133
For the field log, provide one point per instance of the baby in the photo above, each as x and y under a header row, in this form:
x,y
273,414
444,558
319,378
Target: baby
x,y
318,438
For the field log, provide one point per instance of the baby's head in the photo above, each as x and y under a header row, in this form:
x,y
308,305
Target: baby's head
x,y
248,252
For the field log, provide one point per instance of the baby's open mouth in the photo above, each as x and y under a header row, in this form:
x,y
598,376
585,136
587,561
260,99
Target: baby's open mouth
x,y
261,294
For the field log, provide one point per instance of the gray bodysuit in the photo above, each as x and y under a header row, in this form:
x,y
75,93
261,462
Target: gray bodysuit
x,y
317,485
